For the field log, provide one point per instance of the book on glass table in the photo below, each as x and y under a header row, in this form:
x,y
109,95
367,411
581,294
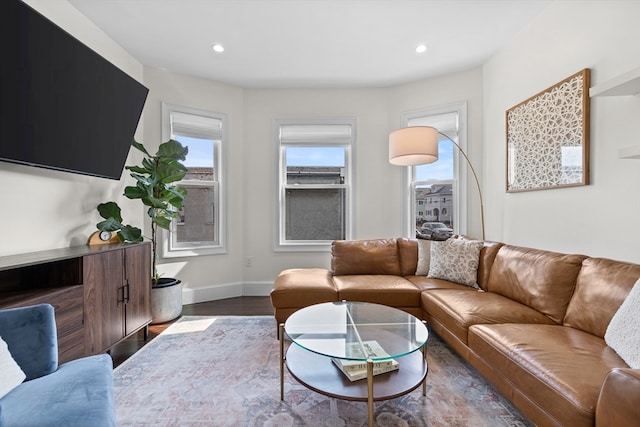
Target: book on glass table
x,y
357,369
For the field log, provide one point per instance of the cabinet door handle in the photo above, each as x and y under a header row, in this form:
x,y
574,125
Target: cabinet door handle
x,y
121,294
126,293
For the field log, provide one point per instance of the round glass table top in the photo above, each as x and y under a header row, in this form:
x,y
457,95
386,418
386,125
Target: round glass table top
x,y
356,331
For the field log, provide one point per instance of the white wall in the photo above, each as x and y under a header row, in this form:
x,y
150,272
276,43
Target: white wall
x,y
600,219
61,212
43,209
253,164
377,185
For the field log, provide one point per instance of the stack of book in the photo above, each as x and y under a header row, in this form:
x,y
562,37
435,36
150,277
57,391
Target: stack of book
x,y
357,369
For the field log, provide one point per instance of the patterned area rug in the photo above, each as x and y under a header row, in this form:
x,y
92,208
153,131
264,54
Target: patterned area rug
x,y
224,371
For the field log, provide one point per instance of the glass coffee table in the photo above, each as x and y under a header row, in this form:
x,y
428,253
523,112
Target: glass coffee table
x,y
364,339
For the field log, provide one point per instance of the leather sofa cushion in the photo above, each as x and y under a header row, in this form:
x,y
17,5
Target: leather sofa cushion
x,y
427,283
561,369
487,257
301,287
379,256
458,309
601,287
539,279
394,291
408,253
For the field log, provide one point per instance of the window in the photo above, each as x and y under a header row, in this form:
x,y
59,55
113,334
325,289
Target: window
x,y
437,190
314,182
200,228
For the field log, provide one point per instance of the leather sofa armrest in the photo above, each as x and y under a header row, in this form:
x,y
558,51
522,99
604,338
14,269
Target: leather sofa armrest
x,y
618,401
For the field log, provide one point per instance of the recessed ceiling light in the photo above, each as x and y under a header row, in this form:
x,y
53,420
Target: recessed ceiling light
x,y
421,48
218,48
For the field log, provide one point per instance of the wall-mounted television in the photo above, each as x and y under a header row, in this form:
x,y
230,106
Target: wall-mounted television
x,y
63,106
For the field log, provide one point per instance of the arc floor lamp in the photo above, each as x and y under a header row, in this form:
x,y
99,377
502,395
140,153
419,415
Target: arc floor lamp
x,y
418,145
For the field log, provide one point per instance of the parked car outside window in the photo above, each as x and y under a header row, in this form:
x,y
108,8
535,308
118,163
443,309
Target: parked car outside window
x,y
434,231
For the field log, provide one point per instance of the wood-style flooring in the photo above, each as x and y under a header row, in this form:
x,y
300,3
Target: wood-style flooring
x,y
240,306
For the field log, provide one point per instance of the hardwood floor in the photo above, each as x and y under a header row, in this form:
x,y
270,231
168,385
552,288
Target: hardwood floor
x,y
240,306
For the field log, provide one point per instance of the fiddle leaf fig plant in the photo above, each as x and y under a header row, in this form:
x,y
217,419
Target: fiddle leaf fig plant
x,y
156,188
111,213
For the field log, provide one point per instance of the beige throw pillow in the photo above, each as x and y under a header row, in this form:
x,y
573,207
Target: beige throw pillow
x,y
424,257
623,332
11,376
456,260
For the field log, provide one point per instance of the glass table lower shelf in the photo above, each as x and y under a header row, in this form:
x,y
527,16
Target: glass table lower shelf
x,y
327,331
319,374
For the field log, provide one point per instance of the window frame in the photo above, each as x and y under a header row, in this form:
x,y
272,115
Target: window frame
x,y
168,250
281,244
459,183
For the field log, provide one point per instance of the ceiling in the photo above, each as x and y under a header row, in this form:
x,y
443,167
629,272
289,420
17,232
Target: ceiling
x,y
311,43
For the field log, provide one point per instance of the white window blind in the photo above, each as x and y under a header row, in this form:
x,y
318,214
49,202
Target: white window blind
x,y
446,123
196,126
315,133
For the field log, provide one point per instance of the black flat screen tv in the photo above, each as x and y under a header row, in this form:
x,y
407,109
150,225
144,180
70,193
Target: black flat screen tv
x,y
63,106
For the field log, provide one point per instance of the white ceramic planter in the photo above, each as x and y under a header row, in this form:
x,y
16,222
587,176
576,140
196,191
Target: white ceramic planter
x,y
166,302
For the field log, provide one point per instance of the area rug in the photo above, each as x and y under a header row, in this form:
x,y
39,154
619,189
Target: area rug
x,y
224,371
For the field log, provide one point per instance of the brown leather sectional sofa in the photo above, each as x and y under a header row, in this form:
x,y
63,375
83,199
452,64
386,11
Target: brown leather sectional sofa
x,y
534,328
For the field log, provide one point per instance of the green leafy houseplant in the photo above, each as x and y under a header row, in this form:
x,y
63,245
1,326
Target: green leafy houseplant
x,y
156,188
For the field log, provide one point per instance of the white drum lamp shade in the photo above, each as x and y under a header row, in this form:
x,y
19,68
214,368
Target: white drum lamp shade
x,y
415,145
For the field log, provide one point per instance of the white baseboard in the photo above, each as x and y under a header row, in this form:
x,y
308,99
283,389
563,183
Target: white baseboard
x,y
229,290
258,289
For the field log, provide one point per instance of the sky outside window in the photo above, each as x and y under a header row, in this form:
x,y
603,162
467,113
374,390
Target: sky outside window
x,y
442,169
315,156
200,152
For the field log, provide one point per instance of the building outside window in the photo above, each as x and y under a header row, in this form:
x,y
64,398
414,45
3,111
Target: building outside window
x,y
438,208
199,230
314,182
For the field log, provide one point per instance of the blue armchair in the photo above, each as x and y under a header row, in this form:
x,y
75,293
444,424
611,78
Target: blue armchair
x,y
76,393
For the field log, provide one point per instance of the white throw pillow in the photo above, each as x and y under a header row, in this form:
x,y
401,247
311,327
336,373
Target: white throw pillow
x,y
623,332
424,257
11,376
456,260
